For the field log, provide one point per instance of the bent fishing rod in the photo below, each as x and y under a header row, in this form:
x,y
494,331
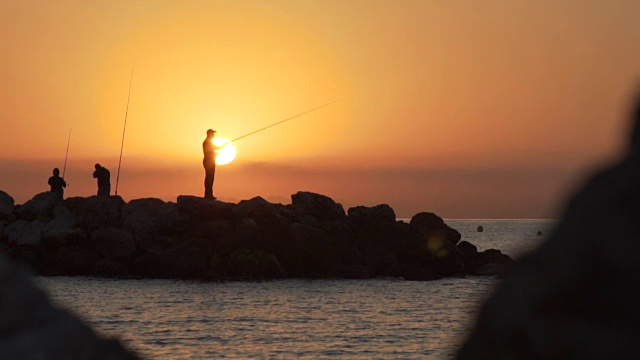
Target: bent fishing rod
x,y
126,114
66,156
285,120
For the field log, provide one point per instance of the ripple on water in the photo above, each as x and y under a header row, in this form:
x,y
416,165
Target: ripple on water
x,y
293,318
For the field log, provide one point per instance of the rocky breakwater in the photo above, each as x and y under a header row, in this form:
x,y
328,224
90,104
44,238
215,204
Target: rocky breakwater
x,y
195,238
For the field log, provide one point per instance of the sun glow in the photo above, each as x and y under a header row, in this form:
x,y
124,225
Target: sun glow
x,y
225,151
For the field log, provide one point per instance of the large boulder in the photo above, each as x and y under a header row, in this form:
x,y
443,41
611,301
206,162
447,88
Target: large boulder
x,y
98,211
469,256
201,209
32,328
110,268
70,260
39,207
376,227
309,253
6,206
114,243
63,229
431,253
321,207
182,261
376,214
212,230
258,209
254,264
493,262
23,232
429,224
151,218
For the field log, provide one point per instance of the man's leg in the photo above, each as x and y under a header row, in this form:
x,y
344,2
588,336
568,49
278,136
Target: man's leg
x,y
208,182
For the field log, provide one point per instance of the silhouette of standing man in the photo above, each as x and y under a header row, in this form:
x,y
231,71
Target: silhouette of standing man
x,y
104,180
209,163
57,183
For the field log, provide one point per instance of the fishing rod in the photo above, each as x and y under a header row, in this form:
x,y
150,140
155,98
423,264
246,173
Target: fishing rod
x,y
285,120
66,156
126,114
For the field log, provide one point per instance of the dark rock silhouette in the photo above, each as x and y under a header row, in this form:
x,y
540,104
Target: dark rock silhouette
x,y
321,207
6,207
39,207
206,239
574,297
114,243
480,228
34,329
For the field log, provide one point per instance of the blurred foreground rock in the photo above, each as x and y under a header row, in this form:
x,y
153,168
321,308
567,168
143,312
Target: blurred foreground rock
x,y
574,297
34,329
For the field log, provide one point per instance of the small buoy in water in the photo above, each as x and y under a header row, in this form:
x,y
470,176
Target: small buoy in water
x,y
539,233
480,228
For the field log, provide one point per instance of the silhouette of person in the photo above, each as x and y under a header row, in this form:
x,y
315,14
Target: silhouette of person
x,y
57,183
104,180
209,163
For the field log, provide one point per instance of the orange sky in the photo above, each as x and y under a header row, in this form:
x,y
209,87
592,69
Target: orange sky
x,y
465,108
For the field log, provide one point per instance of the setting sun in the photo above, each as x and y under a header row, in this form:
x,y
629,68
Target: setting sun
x,y
225,151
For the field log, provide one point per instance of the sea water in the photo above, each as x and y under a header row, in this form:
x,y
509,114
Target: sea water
x,y
291,319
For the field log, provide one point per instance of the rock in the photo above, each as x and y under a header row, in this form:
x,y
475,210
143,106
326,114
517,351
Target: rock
x,y
480,228
71,260
306,252
431,254
99,211
469,256
417,273
212,230
205,209
429,224
539,233
574,296
63,229
6,206
61,232
376,214
5,251
113,243
187,262
110,268
149,218
321,207
32,328
39,207
22,232
492,269
258,209
493,256
254,264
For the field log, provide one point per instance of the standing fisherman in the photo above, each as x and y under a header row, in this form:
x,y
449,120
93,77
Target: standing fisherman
x,y
104,180
209,163
57,184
